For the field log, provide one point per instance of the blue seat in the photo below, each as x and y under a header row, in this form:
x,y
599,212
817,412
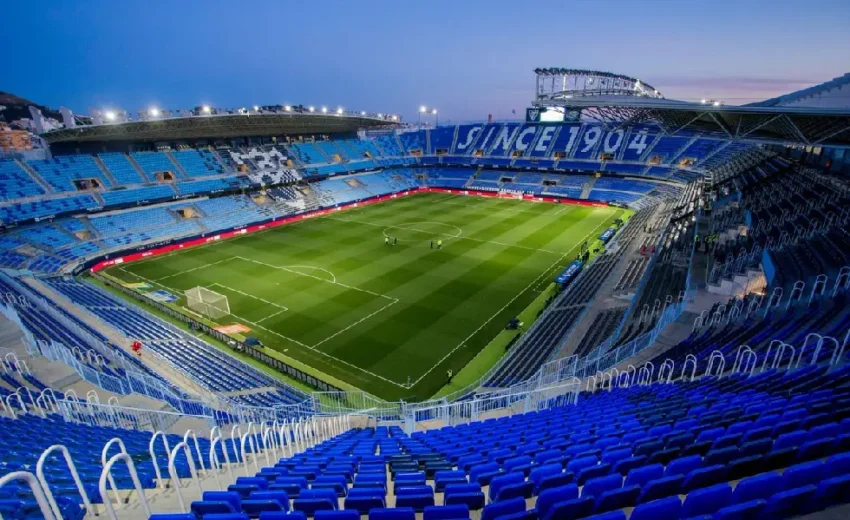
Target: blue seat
x,y
683,466
291,485
441,478
363,503
803,474
521,489
578,464
483,473
593,472
504,480
790,440
758,487
811,450
721,456
616,499
664,508
205,507
310,505
506,507
642,475
838,465
394,513
455,512
171,516
230,497
467,494
227,516
595,487
789,503
550,497
832,491
660,488
703,477
707,500
336,482
254,507
746,511
576,508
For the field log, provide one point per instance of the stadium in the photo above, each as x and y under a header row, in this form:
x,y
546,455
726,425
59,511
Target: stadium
x,y
614,305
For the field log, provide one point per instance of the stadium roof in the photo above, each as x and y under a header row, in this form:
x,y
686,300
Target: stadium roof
x,y
809,95
218,126
770,124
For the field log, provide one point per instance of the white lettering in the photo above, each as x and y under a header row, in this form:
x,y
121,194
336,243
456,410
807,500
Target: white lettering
x,y
483,144
505,137
470,136
591,137
573,134
521,145
639,142
611,148
545,139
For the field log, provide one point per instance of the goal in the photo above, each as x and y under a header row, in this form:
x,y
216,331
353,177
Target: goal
x,y
207,302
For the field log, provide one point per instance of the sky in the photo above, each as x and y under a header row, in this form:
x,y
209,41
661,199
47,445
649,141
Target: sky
x,y
467,58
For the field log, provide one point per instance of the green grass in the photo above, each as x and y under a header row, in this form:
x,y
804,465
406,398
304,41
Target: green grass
x,y
327,291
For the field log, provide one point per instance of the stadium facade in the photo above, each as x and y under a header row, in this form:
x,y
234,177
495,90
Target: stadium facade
x,y
684,274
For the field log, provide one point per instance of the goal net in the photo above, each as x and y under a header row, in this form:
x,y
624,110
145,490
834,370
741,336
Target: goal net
x,y
207,302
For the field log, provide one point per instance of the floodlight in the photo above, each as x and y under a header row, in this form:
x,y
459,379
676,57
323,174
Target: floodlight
x,y
339,111
206,109
363,113
434,111
110,115
380,115
395,117
324,110
312,109
716,103
702,101
154,112
287,108
256,108
422,108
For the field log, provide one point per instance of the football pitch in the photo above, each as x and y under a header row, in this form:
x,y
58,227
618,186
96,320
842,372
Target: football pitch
x,y
389,319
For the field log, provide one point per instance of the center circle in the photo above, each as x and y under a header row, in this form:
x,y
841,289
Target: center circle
x,y
411,231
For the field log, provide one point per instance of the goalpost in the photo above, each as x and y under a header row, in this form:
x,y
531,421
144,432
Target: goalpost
x,y
207,302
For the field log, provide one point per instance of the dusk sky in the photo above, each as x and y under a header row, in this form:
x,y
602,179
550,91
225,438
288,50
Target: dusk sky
x,y
467,58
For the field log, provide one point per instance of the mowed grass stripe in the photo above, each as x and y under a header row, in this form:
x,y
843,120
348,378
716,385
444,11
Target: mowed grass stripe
x,y
443,296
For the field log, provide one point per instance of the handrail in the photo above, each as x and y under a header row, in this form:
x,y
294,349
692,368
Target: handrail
x,y
197,447
103,462
215,466
107,473
721,363
239,456
39,471
20,402
35,487
172,472
151,445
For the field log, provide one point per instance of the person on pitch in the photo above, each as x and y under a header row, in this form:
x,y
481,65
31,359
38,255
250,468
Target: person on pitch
x,y
386,240
440,243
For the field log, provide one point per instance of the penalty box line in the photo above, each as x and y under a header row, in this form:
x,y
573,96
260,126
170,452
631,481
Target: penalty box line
x,y
302,344
533,282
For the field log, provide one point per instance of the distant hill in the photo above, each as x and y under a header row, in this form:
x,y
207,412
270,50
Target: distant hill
x,y
18,108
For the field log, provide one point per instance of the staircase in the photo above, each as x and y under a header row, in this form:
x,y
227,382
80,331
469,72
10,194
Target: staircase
x,y
36,177
177,166
98,198
138,168
95,236
105,170
586,188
